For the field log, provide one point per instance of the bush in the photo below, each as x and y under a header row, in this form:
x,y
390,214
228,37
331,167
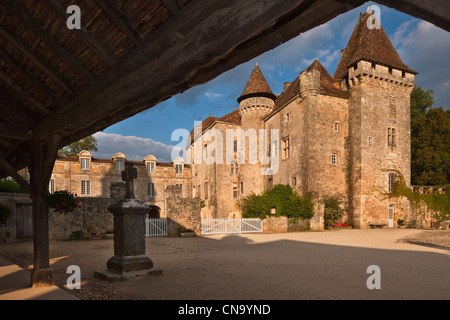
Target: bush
x,y
286,202
10,186
62,201
333,211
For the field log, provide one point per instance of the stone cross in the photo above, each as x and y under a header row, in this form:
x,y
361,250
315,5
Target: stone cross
x,y
128,175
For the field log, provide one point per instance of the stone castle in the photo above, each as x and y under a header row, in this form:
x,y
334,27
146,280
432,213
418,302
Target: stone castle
x,y
346,135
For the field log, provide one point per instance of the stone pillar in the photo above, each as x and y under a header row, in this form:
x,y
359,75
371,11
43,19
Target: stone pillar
x,y
129,257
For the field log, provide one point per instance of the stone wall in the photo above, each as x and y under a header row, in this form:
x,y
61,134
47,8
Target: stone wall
x,y
92,220
284,224
183,212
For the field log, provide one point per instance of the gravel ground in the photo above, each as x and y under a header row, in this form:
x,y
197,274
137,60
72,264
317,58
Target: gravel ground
x,y
287,266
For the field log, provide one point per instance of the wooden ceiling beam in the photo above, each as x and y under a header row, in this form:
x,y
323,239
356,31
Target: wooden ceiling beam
x,y
10,171
173,6
63,53
91,41
29,77
160,68
117,16
39,105
30,54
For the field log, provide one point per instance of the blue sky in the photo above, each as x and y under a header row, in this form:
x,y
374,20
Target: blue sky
x,y
421,45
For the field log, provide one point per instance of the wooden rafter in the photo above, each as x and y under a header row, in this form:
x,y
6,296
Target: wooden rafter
x,y
83,34
29,77
24,93
63,53
110,8
29,53
9,170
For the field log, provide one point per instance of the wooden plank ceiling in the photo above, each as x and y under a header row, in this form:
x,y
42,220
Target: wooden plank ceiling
x,y
128,56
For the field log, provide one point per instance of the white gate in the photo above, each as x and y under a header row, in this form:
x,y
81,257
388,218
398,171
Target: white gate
x,y
156,227
231,226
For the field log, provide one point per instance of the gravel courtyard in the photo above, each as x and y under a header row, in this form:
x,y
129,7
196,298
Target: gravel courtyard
x,y
414,264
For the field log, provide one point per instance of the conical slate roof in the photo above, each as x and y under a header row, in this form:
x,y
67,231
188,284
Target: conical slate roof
x,y
370,44
256,86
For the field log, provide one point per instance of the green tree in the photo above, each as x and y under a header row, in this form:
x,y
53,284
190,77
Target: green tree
x,y
430,140
89,143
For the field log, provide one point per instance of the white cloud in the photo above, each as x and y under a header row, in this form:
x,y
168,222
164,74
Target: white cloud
x,y
135,148
212,96
425,48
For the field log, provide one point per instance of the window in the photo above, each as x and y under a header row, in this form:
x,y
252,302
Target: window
x,y
242,187
286,148
179,168
334,159
151,189
234,168
294,181
51,186
336,126
287,117
85,187
235,146
85,163
181,188
391,136
235,193
391,182
150,167
369,141
206,190
275,148
119,165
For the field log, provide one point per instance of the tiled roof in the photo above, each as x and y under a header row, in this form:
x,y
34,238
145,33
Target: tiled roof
x,y
328,86
256,86
371,45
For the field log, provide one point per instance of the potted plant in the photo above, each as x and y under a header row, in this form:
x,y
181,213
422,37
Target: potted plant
x,y
5,214
63,201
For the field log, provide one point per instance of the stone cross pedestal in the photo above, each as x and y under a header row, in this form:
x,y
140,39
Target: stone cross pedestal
x,y
129,257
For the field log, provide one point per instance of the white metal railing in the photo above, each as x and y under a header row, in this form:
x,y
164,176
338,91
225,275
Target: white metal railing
x,y
156,227
231,226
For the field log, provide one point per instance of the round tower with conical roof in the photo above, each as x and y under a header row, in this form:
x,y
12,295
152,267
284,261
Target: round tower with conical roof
x,y
255,103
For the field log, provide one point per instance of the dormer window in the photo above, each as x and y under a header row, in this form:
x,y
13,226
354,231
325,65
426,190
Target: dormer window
x,y
85,159
119,162
85,163
179,164
120,165
150,164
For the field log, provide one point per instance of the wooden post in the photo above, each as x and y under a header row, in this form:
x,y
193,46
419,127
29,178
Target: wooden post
x,y
42,158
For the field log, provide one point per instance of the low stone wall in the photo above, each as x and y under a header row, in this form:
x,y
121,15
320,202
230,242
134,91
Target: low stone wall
x,y
92,220
284,224
183,212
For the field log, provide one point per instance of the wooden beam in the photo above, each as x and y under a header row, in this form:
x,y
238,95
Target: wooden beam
x,y
173,6
8,169
49,161
82,33
117,16
31,78
39,105
30,54
63,53
159,68
14,131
